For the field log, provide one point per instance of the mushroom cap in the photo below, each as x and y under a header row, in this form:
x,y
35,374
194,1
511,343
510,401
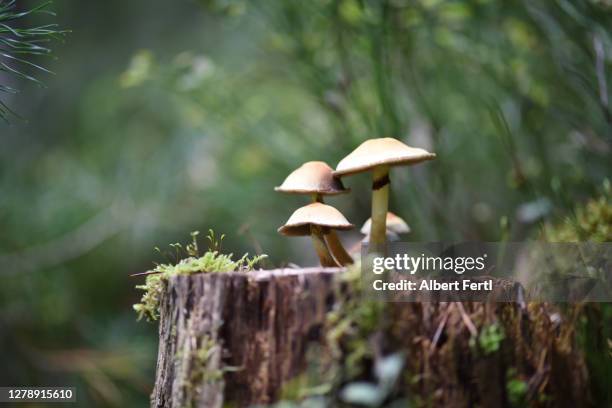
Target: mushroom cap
x,y
313,177
385,151
395,224
318,214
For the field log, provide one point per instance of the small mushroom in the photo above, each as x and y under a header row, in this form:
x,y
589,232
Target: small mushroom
x,y
316,179
395,227
355,250
316,219
394,224
378,156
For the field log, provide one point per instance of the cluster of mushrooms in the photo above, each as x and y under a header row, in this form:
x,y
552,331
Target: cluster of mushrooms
x,y
317,179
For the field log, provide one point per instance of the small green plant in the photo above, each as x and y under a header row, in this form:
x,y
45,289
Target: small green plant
x,y
490,338
516,388
214,242
212,261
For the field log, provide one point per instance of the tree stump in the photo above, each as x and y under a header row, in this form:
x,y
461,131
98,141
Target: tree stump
x,y
236,338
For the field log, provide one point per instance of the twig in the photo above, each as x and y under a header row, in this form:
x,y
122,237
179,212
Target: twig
x,y
600,70
145,273
438,333
466,319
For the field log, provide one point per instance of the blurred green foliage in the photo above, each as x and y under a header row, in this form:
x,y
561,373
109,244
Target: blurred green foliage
x,y
184,116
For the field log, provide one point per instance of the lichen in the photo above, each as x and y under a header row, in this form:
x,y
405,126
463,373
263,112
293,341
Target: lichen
x,y
212,261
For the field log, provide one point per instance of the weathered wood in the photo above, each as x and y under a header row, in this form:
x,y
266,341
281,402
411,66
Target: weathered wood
x,y
236,338
258,323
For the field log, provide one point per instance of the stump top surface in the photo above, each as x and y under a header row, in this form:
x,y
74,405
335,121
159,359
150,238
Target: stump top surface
x,y
265,274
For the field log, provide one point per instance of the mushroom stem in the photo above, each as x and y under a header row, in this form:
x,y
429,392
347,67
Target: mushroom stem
x,y
380,204
320,246
337,249
333,242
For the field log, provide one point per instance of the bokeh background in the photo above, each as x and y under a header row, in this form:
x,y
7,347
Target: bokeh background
x,y
163,118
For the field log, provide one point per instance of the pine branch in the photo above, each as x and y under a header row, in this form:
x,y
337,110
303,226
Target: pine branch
x,y
18,44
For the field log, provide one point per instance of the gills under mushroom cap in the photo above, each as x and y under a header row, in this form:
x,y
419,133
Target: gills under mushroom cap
x,y
380,152
395,224
315,214
314,177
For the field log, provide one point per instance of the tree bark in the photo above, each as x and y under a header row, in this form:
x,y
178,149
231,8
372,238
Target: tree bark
x,y
257,324
236,338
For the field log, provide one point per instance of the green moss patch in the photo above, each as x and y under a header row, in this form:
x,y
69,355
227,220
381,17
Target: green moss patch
x,y
211,261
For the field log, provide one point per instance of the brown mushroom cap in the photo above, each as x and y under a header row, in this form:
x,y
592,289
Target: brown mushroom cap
x,y
376,152
318,214
395,224
313,177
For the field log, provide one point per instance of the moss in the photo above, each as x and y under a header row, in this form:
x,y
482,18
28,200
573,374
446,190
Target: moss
x,y
591,221
201,359
149,303
212,261
206,367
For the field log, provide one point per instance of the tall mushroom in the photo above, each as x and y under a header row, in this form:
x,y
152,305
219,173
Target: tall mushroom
x,y
315,178
378,156
316,219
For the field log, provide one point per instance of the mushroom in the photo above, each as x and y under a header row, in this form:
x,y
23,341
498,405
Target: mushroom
x,y
395,225
316,219
355,249
316,179
378,156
